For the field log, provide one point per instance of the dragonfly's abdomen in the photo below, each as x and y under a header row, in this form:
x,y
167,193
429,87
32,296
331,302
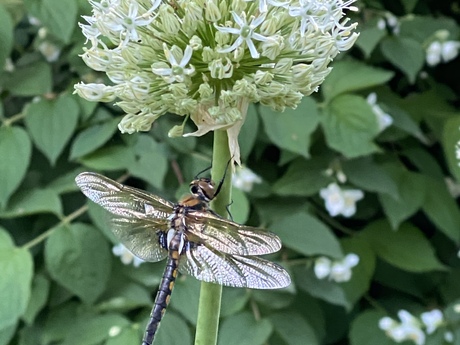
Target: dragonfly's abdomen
x,y
165,288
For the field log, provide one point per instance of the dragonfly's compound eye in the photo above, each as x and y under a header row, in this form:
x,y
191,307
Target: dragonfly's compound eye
x,y
194,189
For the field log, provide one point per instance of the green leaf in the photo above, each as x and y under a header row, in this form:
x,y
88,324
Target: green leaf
x,y
151,163
369,38
350,126
368,175
361,278
291,130
28,202
60,17
6,334
411,191
127,336
243,329
405,53
15,150
78,257
406,248
294,329
6,34
94,330
110,158
303,177
30,80
185,299
65,183
233,300
442,209
16,265
324,289
307,235
38,298
51,123
349,76
173,331
365,330
451,145
92,138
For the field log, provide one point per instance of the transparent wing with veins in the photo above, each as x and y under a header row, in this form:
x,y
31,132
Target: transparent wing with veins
x,y
138,218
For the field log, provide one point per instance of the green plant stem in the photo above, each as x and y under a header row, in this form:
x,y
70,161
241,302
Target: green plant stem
x,y
210,294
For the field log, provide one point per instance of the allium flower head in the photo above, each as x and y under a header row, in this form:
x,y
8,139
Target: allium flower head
x,y
208,59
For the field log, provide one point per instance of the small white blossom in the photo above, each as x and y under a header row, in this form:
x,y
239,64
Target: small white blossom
x,y
244,178
449,50
449,337
432,320
439,51
338,201
49,50
114,331
338,271
177,71
384,120
322,267
246,33
457,308
408,329
126,256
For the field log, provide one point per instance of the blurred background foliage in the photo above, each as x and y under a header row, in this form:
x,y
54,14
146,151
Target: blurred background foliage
x,y
60,282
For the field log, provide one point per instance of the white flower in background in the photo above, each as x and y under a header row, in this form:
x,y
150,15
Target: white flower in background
x,y
411,328
439,51
338,271
390,21
339,201
322,267
408,329
449,337
207,60
384,120
126,256
49,50
457,307
432,320
341,270
9,65
453,186
244,178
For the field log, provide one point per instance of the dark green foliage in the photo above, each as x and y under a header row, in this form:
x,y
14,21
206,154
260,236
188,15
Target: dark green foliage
x,y
59,282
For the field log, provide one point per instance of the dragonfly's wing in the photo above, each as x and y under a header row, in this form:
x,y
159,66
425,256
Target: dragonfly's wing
x,y
230,237
137,217
212,266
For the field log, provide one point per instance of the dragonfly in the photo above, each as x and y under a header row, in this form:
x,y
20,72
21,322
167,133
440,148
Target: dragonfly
x,y
194,239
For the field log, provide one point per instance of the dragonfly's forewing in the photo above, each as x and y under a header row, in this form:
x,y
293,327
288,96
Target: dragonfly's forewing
x,y
230,237
212,266
137,217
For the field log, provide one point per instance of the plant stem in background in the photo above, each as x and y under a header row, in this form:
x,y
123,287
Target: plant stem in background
x,y
210,294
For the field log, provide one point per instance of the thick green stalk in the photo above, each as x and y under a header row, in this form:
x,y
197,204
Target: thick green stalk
x,y
210,295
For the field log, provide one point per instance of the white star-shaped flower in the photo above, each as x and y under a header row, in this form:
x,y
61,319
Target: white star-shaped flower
x,y
245,33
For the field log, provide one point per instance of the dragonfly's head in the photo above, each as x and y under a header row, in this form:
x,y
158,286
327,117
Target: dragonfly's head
x,y
203,189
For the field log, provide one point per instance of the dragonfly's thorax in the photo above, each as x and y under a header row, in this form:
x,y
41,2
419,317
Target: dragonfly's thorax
x,y
176,238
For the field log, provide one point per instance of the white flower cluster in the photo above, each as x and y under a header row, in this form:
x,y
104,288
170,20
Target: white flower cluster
x,y
208,59
126,256
340,201
244,178
390,22
338,271
441,49
384,120
411,328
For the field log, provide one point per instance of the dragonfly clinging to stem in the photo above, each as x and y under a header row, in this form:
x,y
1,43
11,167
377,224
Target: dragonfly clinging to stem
x,y
194,239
